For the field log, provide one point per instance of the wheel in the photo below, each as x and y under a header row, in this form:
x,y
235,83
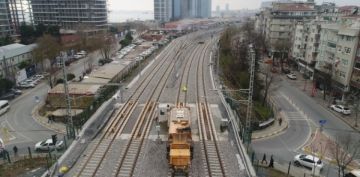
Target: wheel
x,y
297,163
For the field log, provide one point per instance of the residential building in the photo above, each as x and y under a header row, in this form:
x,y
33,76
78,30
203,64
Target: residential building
x,y
277,23
163,10
182,9
306,41
70,14
337,56
11,56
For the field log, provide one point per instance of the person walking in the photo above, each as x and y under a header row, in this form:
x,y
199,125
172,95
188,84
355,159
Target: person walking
x,y
15,150
280,121
271,164
264,159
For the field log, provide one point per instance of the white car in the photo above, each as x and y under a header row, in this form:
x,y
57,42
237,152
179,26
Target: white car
x,y
341,109
82,53
48,144
292,76
78,56
308,161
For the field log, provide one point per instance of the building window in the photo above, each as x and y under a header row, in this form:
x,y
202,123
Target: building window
x,y
344,62
339,49
347,50
342,74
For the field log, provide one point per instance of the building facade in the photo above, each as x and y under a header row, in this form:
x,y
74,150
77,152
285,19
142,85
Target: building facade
x,y
337,56
12,14
306,45
70,14
11,56
162,10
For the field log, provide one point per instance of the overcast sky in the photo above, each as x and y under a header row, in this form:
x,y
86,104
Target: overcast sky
x,y
234,4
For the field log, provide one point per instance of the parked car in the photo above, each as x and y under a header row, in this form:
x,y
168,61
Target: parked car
x,y
78,56
291,76
82,53
341,109
16,91
104,61
48,144
308,161
26,85
39,76
7,96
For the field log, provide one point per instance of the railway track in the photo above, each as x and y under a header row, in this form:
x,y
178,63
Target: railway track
x,y
208,139
92,162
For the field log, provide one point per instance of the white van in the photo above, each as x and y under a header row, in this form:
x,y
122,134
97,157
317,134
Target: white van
x,y
4,106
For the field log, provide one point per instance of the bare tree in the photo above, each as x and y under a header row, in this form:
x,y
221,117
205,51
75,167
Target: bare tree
x,y
268,81
106,43
282,47
345,149
328,78
48,48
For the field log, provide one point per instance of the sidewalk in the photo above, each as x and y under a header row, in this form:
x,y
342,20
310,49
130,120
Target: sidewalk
x,y
307,86
55,126
272,130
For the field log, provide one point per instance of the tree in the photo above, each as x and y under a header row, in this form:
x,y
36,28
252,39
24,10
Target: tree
x,y
105,44
282,49
268,81
27,34
5,85
327,78
345,149
48,48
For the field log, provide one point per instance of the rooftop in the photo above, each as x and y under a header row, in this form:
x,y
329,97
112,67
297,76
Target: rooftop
x,y
12,50
76,89
293,7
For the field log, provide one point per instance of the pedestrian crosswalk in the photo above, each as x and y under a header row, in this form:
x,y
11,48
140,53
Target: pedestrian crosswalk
x,y
294,115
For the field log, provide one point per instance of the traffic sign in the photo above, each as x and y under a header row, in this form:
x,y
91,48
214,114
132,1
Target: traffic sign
x,y
322,122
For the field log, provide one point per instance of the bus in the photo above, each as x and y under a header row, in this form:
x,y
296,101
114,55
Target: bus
x,y
4,106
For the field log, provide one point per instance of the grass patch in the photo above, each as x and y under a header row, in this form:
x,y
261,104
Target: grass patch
x,y
22,166
263,112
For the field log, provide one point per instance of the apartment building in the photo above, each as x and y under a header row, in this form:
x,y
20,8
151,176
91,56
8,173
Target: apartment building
x,y
277,23
337,53
355,77
70,14
305,47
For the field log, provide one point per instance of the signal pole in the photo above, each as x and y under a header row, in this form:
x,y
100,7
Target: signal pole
x,y
250,96
70,131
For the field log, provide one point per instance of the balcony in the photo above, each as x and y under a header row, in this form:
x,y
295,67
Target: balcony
x,y
355,78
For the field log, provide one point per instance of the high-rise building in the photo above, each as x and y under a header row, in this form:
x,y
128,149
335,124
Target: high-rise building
x,y
70,14
227,7
218,8
163,10
11,15
181,9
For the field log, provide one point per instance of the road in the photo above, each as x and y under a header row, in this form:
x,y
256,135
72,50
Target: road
x,y
293,102
23,130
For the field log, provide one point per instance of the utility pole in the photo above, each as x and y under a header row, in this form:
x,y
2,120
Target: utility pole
x,y
70,125
250,96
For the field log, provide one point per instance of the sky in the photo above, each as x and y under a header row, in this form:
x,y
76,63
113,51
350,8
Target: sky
x,y
145,5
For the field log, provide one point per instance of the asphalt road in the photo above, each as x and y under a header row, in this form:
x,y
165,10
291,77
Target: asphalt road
x,y
293,102
23,130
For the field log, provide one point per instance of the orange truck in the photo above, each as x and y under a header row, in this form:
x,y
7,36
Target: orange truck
x,y
180,145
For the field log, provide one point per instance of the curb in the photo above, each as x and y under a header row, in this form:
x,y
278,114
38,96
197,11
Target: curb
x,y
273,133
35,115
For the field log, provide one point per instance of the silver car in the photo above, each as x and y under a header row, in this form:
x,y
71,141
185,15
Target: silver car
x,y
48,145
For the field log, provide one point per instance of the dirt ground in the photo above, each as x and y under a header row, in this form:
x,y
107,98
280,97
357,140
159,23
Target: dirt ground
x,y
20,167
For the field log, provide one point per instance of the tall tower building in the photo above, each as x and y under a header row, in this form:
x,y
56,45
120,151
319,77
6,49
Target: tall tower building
x,y
163,10
11,15
70,14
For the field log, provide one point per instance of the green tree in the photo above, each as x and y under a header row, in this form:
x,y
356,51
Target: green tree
x,y
5,85
27,34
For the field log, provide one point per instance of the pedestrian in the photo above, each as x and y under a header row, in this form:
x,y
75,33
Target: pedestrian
x,y
264,159
271,164
280,121
49,119
15,150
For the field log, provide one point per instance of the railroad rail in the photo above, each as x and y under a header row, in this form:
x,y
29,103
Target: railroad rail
x,y
208,138
97,154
